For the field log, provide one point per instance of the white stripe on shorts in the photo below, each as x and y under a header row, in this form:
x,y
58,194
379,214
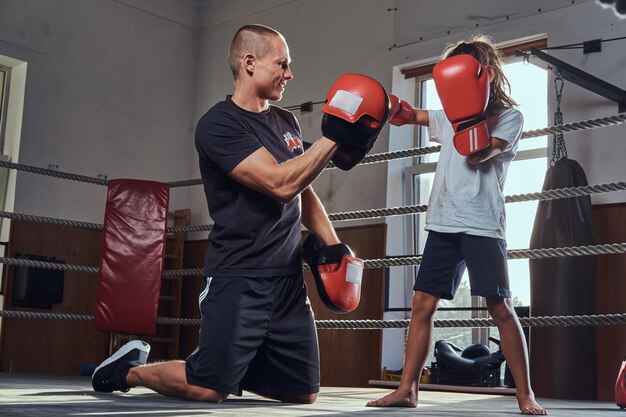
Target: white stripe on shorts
x,y
204,293
201,298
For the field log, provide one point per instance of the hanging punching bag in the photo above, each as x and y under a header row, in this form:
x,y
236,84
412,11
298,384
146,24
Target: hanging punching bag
x,y
563,359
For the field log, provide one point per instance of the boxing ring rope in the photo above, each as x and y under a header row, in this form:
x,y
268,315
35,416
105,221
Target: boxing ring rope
x,y
605,249
544,321
49,265
566,128
351,215
53,173
50,220
369,159
414,209
543,195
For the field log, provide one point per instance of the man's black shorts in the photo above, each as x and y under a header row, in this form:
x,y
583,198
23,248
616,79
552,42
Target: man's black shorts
x,y
257,334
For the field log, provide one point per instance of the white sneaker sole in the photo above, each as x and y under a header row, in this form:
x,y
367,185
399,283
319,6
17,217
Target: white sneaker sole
x,y
143,347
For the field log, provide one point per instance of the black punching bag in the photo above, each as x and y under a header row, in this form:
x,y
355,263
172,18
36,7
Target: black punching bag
x,y
563,359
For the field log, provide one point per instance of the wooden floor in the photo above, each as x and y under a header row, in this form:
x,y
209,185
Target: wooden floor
x,y
34,396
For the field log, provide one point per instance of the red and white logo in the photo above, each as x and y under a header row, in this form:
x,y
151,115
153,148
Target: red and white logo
x,y
292,141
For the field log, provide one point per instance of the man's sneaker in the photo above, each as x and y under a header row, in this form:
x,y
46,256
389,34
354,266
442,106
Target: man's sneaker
x,y
111,374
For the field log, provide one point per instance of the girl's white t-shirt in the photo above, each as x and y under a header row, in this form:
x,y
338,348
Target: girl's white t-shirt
x,y
468,198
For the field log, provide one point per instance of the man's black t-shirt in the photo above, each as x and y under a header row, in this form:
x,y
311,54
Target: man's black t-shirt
x,y
253,234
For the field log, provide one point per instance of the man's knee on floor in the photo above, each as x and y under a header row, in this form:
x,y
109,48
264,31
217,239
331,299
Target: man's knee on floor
x,y
300,399
205,395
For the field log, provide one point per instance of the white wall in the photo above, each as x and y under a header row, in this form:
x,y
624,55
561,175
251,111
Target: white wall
x,y
109,90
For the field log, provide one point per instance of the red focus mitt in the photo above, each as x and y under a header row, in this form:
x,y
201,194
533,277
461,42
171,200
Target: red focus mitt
x,y
337,273
355,111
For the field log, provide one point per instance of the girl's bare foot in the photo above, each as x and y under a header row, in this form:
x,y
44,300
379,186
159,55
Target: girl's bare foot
x,y
528,405
398,398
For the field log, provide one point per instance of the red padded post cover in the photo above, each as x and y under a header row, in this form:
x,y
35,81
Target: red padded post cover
x,y
131,262
620,386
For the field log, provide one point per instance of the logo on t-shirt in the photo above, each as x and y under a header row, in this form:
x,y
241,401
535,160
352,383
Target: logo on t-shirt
x,y
292,141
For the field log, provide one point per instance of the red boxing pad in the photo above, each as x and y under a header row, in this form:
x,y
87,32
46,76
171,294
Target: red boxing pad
x,y
354,96
620,387
133,245
340,286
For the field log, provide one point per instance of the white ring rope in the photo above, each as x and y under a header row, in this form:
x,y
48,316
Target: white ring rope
x,y
352,215
542,321
566,128
606,249
370,159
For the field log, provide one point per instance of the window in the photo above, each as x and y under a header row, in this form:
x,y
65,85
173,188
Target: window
x,y
4,86
12,83
526,174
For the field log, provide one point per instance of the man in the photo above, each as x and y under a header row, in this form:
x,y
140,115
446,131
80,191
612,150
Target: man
x,y
258,331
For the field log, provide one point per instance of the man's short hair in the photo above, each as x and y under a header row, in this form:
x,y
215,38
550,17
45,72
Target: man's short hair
x,y
249,39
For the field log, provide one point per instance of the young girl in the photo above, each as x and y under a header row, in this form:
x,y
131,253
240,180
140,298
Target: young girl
x,y
466,225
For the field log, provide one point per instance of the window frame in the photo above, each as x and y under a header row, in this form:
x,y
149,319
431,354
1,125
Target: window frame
x,y
4,99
